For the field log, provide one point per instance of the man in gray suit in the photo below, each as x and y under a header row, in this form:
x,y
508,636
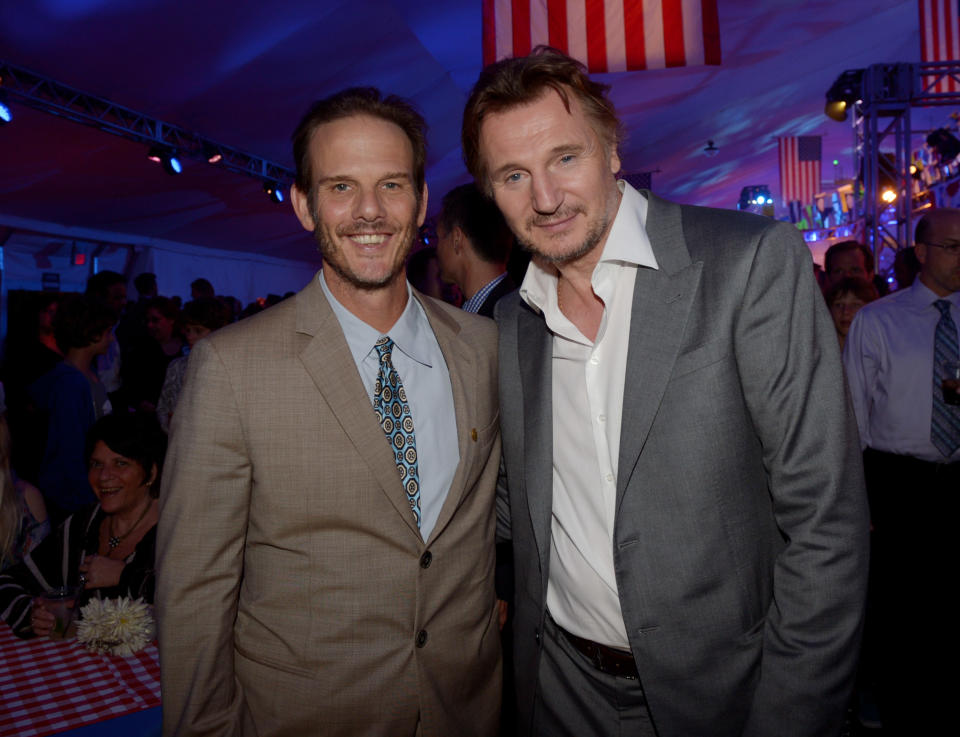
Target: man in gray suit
x,y
681,470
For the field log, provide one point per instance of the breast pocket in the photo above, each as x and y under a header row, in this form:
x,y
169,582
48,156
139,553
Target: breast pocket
x,y
705,354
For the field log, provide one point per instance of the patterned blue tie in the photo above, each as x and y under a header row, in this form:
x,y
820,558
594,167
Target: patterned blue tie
x,y
393,411
945,426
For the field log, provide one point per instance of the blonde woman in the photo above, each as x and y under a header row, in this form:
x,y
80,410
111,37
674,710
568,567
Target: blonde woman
x,y
23,515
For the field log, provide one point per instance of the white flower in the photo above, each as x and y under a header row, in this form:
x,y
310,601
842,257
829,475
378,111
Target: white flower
x,y
116,626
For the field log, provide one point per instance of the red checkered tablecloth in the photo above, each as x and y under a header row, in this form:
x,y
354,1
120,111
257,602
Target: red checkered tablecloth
x,y
48,687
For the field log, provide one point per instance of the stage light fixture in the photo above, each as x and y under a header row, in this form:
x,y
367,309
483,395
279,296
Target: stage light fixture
x,y
212,154
888,195
844,92
6,112
710,150
273,191
171,164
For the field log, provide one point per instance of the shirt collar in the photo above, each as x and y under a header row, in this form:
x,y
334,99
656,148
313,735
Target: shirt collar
x,y
627,243
476,301
923,296
408,332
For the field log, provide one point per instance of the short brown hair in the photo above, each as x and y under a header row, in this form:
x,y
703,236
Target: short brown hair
x,y
859,288
466,207
843,247
511,83
360,101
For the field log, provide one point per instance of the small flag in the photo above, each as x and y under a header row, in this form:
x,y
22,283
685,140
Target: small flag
x,y
799,168
940,38
606,35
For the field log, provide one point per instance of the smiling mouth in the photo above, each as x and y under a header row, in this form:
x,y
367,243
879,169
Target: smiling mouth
x,y
368,239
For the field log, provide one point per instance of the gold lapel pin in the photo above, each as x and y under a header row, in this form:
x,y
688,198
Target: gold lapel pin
x,y
473,434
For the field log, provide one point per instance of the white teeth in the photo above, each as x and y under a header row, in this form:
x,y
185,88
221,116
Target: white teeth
x,y
368,240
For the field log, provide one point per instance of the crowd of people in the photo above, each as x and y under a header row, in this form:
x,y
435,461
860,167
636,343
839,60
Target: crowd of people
x,y
642,492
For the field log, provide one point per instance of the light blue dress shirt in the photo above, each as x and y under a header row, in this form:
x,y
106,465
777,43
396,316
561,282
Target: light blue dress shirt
x,y
423,371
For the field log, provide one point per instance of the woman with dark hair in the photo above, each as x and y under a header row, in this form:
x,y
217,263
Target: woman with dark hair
x,y
72,398
107,549
198,319
845,298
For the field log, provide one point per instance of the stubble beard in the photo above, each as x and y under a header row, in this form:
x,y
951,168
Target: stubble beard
x,y
331,252
595,233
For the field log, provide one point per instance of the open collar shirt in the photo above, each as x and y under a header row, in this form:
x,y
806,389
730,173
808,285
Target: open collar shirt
x,y
419,362
888,357
588,390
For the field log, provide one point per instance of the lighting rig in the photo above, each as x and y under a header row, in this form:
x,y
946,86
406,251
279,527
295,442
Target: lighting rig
x,y
168,144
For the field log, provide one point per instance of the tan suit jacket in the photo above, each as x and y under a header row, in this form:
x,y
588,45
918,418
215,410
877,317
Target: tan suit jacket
x,y
295,595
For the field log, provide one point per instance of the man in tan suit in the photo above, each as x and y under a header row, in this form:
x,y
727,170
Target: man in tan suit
x,y
302,588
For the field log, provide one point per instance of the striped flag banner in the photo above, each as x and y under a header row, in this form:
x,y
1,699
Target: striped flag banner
x,y
940,38
799,168
606,35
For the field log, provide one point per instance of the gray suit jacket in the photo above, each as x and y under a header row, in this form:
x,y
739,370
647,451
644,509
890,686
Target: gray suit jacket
x,y
295,595
740,540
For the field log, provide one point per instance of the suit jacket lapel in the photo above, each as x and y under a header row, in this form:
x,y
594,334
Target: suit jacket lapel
x,y
327,358
661,305
535,355
464,383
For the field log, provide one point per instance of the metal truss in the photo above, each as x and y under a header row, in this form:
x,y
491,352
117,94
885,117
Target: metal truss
x,y
49,96
882,119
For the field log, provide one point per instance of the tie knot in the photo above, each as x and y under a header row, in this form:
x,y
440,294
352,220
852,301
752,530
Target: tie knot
x,y
944,306
384,348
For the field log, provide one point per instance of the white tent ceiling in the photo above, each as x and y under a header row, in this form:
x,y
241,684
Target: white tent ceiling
x,y
243,73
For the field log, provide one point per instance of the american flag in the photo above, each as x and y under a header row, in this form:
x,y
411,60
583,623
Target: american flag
x,y
799,168
606,35
940,38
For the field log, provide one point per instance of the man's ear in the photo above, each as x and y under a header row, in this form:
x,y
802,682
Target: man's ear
x,y
301,206
422,214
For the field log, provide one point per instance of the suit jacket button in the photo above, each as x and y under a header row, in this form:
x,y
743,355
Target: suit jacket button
x,y
426,559
473,434
537,636
421,638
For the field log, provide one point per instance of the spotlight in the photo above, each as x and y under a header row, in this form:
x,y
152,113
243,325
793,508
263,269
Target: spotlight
x,y
273,191
6,112
212,154
710,150
888,195
844,92
171,164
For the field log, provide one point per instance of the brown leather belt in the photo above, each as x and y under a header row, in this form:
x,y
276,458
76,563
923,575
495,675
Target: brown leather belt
x,y
604,658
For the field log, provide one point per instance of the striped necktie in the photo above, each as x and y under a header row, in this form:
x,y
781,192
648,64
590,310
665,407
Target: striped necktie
x,y
945,424
393,411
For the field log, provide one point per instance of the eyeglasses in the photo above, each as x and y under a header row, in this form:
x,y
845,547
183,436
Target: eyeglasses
x,y
949,248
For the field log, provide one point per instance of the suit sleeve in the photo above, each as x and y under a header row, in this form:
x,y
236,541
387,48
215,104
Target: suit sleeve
x,y
788,357
204,507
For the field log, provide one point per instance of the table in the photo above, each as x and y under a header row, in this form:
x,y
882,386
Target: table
x,y
51,686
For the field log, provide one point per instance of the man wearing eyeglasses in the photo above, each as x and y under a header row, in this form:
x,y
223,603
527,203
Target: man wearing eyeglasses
x,y
897,357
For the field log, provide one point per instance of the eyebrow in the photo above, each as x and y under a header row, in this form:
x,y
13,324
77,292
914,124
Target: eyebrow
x,y
345,178
564,148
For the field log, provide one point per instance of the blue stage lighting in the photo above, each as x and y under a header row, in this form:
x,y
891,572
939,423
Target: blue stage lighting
x,y
273,191
166,157
6,112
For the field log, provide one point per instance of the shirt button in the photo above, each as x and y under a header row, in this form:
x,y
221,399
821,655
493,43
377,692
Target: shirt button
x,y
610,477
426,559
594,360
421,638
536,636
601,418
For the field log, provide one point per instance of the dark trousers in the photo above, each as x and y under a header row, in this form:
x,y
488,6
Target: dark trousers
x,y
911,622
574,699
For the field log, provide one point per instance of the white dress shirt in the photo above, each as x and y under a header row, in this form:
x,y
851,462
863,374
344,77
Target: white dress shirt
x,y
419,362
888,357
588,387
